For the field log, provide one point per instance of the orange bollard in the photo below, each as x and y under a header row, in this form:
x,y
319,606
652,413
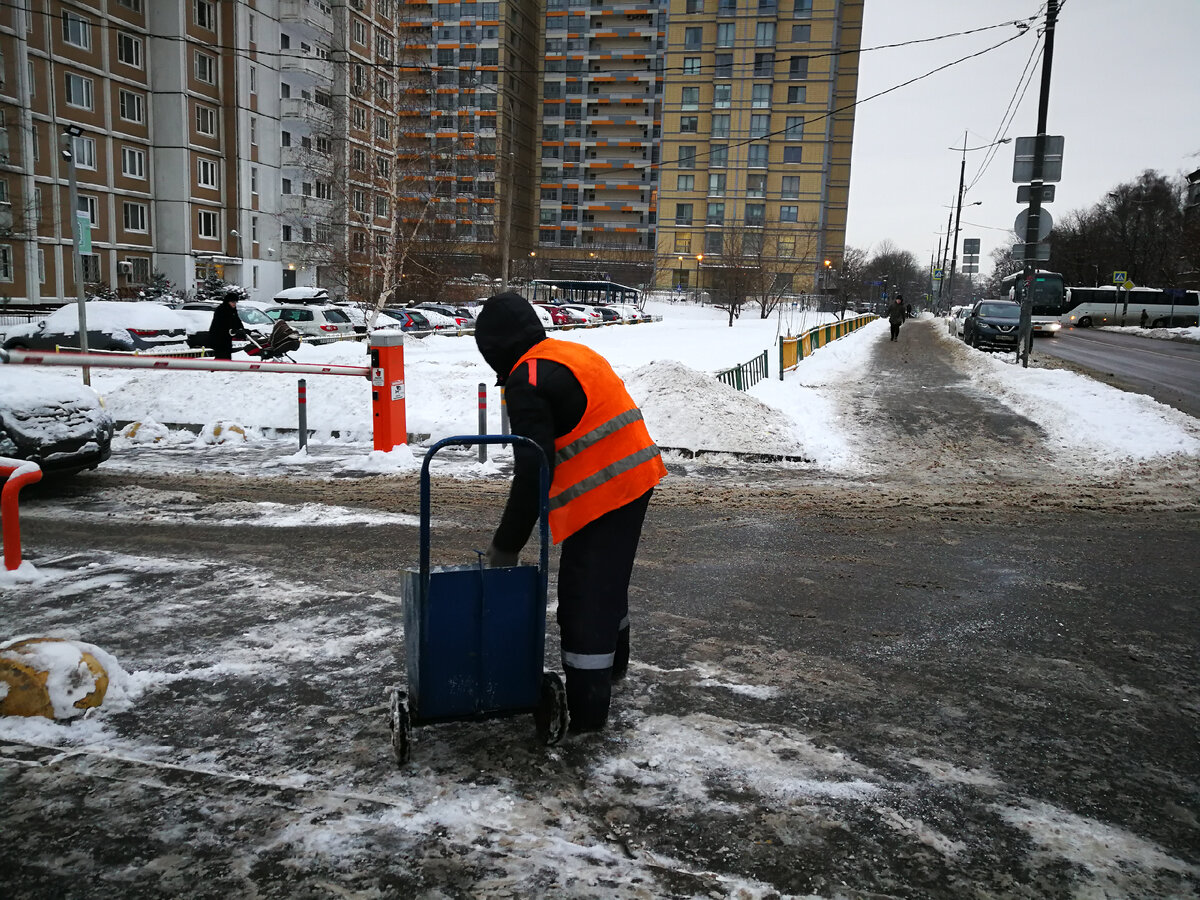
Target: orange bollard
x,y
18,474
387,390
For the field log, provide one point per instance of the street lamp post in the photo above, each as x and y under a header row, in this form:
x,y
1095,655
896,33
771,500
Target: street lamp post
x,y
67,145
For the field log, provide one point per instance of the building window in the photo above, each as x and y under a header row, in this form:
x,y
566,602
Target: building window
x,y
41,267
285,185
253,80
758,155
761,96
254,179
133,162
720,125
91,267
84,151
129,50
204,14
785,248
88,204
206,68
792,154
206,173
685,182
715,214
695,6
797,93
77,31
795,128
691,65
759,125
683,243
132,106
253,131
801,34
756,213
206,121
683,214
381,207
718,156
726,7
726,33
254,229
756,185
285,232
690,98
383,128
207,224
723,65
788,213
803,9
693,38
764,34
687,157
6,262
358,159
798,68
135,216
689,124
359,116
135,5
790,187
722,96
383,166
359,31
716,184
79,91
764,65
254,277
383,46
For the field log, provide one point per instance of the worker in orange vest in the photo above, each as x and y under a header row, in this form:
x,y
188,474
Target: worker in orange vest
x,y
604,466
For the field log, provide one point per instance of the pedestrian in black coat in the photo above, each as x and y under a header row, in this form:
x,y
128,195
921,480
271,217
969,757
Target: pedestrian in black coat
x,y
225,325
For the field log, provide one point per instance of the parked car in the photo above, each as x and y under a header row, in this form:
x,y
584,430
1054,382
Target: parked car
x,y
558,315
303,295
410,320
200,313
314,322
460,320
358,318
608,314
111,325
590,313
957,321
993,325
626,312
543,314
439,321
53,420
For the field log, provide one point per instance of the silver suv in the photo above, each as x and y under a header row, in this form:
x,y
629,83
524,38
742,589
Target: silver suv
x,y
316,323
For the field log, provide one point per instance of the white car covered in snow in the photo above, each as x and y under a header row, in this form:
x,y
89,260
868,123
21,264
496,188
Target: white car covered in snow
x,y
111,325
53,420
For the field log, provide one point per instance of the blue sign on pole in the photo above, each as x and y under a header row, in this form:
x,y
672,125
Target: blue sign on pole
x,y
877,283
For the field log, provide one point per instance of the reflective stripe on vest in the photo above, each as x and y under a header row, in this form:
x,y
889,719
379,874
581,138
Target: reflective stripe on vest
x,y
608,459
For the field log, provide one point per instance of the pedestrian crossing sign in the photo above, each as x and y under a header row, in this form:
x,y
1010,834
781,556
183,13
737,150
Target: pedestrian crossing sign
x,y
938,274
1120,277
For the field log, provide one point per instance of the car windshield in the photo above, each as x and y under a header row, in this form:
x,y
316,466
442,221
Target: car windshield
x,y
336,315
251,316
1000,311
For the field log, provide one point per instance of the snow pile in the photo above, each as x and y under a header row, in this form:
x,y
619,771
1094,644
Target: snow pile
x,y
1191,333
686,409
1079,414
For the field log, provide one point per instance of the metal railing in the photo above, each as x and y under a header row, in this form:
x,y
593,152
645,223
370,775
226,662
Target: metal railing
x,y
746,375
793,349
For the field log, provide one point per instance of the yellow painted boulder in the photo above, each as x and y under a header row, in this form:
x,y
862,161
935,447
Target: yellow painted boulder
x,y
51,677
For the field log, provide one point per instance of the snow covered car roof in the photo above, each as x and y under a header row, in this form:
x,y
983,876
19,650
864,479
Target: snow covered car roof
x,y
52,419
302,295
120,325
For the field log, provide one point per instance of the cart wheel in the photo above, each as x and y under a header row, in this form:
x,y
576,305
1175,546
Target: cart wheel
x,y
401,724
551,714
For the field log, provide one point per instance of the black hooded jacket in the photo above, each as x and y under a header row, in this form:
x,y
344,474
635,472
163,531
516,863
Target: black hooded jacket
x,y
224,326
505,330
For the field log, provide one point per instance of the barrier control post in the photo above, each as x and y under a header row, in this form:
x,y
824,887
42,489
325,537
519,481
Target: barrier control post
x,y
387,390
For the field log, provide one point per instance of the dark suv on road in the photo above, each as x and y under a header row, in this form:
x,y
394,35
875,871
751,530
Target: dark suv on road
x,y
993,325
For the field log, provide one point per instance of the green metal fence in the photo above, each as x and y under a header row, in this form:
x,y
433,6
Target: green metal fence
x,y
746,375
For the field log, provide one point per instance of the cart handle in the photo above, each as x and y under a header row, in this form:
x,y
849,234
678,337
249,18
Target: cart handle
x,y
469,440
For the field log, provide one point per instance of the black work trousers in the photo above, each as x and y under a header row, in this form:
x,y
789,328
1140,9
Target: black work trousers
x,y
895,330
593,609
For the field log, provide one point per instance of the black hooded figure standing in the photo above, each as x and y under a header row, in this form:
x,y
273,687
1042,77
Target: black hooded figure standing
x,y
226,324
603,467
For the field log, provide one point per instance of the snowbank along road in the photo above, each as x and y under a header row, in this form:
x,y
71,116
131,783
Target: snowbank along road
x,y
958,662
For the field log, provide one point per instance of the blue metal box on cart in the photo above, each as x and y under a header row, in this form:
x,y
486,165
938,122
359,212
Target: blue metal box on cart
x,y
474,636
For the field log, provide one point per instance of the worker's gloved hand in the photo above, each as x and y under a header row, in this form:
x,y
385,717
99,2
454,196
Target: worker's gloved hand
x,y
499,559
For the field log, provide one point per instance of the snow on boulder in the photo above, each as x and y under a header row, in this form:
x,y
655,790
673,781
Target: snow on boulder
x,y
56,678
690,410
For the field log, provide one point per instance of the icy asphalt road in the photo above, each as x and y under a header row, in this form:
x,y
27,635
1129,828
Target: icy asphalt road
x,y
909,684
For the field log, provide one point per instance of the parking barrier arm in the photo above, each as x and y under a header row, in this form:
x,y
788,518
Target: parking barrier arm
x,y
18,473
131,361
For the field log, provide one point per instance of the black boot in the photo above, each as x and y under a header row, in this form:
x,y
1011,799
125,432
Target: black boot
x,y
588,695
621,660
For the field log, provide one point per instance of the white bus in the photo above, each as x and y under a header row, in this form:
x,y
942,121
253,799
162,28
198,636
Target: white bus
x,y
1046,292
1152,307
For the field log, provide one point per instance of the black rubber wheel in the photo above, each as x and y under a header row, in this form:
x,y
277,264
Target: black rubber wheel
x,y
401,724
1085,322
551,714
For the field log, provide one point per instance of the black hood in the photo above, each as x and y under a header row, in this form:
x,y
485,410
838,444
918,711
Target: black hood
x,y
505,330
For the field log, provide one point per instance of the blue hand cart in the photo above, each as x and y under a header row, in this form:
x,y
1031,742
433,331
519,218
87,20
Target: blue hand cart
x,y
474,636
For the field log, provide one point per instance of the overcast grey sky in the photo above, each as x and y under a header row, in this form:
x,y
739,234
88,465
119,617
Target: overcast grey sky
x,y
1125,93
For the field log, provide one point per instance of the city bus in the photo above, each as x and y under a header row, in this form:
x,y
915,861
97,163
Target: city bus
x,y
1048,296
1108,305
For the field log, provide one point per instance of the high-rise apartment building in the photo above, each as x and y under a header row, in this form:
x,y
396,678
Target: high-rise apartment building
x,y
600,130
757,126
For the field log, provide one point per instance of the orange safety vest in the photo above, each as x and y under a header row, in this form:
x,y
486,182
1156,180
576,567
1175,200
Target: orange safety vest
x,y
608,459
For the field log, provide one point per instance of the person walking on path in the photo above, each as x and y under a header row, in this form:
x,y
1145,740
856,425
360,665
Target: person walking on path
x,y
603,466
226,324
896,315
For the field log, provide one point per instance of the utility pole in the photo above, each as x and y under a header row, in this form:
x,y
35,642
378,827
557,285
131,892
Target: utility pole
x,y
942,253
1035,191
962,175
67,145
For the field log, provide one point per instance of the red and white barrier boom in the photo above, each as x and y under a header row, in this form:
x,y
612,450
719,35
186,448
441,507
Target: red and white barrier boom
x,y
386,373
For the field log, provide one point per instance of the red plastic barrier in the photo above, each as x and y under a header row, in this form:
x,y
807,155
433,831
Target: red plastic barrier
x,y
18,473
